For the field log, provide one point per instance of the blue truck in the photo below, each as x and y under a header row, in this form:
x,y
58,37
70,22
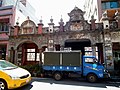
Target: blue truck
x,y
60,64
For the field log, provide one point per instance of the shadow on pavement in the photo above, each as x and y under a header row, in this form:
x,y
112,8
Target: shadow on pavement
x,y
71,81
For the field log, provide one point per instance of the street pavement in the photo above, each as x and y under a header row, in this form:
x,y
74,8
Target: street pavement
x,y
69,84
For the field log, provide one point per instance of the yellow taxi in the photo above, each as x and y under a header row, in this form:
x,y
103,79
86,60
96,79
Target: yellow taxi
x,y
12,76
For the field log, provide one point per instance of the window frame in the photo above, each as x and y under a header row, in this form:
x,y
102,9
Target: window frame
x,y
109,5
31,52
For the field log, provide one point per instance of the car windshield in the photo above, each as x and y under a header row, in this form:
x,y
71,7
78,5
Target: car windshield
x,y
5,65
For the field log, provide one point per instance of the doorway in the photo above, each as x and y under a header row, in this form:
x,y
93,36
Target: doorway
x,y
78,44
28,53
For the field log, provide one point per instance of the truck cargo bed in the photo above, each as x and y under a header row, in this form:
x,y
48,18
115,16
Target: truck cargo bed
x,y
59,58
62,68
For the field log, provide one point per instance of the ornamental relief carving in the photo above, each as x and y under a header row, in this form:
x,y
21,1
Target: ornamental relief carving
x,y
115,35
27,27
86,25
76,26
12,42
77,36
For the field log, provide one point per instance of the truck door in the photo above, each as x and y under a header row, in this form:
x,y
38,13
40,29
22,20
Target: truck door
x,y
89,64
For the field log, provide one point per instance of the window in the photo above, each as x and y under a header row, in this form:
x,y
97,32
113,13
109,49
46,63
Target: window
x,y
116,55
30,54
91,60
3,53
109,5
88,51
1,2
6,65
4,27
88,59
113,5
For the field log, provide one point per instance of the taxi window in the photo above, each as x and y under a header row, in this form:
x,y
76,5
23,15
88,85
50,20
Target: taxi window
x,y
7,65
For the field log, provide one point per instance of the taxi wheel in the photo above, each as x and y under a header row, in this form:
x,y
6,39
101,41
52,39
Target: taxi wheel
x,y
3,85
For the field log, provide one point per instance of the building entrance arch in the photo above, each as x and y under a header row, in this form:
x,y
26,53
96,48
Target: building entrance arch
x,y
27,53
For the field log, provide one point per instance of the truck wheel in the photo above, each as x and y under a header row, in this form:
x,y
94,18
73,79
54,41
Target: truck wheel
x,y
57,76
91,78
3,85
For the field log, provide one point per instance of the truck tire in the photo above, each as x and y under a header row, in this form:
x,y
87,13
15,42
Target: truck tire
x,y
91,78
3,85
57,76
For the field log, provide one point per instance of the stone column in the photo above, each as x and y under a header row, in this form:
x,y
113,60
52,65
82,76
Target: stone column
x,y
8,56
108,51
61,23
50,45
16,29
94,50
40,26
105,21
7,52
15,57
12,52
93,27
118,18
40,56
51,26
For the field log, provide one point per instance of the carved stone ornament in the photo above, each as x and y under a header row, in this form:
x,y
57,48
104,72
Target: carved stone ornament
x,y
115,35
76,26
77,36
27,27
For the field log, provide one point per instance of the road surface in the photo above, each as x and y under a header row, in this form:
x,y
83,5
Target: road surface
x,y
69,84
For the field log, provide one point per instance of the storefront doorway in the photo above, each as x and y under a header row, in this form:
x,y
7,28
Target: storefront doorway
x,y
116,56
3,52
78,44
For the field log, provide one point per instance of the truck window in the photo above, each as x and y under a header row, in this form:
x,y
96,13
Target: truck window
x,y
91,60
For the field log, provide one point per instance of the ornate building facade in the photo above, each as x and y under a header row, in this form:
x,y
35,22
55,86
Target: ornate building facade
x,y
109,9
12,11
28,41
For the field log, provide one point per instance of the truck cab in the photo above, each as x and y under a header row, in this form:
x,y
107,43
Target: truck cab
x,y
93,70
